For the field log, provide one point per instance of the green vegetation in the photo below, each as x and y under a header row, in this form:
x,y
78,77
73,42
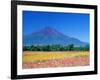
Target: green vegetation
x,y
70,47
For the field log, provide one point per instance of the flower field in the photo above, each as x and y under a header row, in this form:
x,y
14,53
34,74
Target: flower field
x,y
32,59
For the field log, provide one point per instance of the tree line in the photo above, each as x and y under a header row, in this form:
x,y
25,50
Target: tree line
x,y
70,47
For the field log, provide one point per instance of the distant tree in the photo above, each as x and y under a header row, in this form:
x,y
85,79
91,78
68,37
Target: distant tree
x,y
70,47
25,48
56,47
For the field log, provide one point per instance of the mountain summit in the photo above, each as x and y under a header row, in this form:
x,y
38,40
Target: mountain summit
x,y
50,36
47,30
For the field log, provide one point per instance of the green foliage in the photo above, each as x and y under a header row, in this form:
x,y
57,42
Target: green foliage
x,y
69,47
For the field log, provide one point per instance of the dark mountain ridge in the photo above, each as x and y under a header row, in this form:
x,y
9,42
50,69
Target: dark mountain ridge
x,y
50,36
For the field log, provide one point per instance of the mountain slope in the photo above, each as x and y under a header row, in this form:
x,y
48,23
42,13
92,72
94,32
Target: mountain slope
x,y
49,36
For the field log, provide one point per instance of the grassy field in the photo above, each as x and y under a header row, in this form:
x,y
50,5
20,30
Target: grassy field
x,y
38,59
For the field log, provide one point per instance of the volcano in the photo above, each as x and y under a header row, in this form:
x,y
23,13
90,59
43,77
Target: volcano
x,y
50,36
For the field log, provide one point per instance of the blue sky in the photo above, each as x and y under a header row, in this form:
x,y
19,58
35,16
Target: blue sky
x,y
71,24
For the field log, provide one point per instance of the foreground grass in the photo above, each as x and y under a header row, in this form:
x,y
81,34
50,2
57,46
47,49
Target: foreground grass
x,y
31,56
